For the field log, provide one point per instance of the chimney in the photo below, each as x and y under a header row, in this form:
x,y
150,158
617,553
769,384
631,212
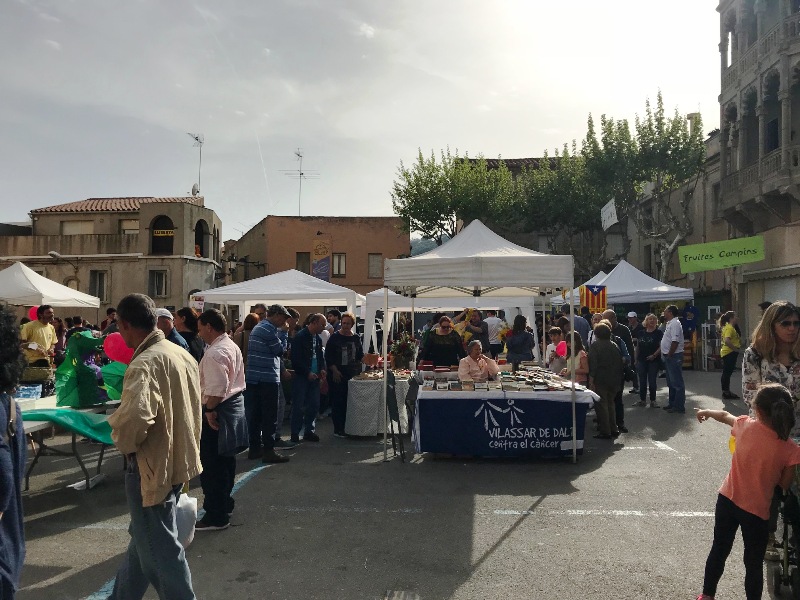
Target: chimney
x,y
694,121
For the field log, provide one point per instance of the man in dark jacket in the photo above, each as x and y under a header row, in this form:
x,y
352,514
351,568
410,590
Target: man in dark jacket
x,y
12,460
308,362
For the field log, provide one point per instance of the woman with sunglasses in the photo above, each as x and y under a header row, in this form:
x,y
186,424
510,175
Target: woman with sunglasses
x,y
774,357
774,354
443,346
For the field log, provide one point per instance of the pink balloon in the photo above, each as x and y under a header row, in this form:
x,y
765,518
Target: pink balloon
x,y
116,349
32,313
561,349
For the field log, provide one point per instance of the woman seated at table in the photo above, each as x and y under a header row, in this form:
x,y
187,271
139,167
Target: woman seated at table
x,y
443,347
476,365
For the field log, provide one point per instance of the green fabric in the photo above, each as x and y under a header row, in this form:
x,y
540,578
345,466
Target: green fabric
x,y
91,425
113,374
76,382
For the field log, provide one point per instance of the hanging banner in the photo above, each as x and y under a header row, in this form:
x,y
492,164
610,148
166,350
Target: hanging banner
x,y
608,215
321,259
721,255
594,297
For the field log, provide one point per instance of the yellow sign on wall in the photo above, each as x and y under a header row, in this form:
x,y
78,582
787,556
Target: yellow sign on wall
x,y
721,255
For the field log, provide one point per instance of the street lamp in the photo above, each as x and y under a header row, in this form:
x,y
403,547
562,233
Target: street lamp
x,y
55,255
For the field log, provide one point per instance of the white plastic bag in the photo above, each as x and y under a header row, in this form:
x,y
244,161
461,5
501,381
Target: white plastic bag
x,y
185,518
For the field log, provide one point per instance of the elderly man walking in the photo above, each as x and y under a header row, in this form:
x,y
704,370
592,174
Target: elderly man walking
x,y
224,427
308,362
157,426
672,354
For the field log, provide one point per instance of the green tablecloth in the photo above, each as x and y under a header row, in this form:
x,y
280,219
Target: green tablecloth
x,y
89,424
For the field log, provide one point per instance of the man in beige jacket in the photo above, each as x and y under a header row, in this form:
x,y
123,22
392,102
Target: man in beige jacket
x,y
157,426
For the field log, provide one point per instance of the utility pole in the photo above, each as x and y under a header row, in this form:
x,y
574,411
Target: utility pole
x,y
299,174
198,143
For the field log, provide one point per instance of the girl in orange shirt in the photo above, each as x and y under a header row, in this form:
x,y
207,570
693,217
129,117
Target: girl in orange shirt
x,y
764,457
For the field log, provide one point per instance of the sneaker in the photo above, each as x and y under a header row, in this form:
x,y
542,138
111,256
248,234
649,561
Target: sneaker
x,y
311,437
641,403
203,525
622,428
295,439
771,554
340,434
705,597
633,391
272,457
280,443
254,453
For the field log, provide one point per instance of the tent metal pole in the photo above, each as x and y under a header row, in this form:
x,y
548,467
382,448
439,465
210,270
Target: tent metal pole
x,y
385,374
574,369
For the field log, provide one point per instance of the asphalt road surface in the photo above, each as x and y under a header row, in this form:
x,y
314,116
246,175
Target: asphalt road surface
x,y
632,519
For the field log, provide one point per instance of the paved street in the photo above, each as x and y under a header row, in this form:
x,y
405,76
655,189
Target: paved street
x,y
631,519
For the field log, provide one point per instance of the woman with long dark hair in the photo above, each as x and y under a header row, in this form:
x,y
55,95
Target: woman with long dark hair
x,y
729,351
186,324
519,343
12,458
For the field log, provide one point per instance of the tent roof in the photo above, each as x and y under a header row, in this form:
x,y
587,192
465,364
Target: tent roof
x,y
287,287
478,258
22,286
627,284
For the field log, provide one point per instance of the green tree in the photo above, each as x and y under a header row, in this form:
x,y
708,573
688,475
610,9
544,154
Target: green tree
x,y
436,198
645,173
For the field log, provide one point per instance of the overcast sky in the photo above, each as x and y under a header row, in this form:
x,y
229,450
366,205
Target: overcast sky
x,y
97,96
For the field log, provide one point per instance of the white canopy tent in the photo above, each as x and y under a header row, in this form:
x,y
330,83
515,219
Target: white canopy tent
x,y
476,265
22,286
525,305
291,287
626,284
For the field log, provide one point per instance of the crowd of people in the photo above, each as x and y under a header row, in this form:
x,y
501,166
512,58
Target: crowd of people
x,y
196,393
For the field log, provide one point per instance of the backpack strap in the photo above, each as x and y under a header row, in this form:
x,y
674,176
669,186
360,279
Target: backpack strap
x,y
11,429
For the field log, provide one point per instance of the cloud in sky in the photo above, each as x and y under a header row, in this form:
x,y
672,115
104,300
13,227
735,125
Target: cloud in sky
x,y
98,99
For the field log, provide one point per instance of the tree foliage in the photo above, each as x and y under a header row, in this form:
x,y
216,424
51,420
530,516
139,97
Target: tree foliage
x,y
563,197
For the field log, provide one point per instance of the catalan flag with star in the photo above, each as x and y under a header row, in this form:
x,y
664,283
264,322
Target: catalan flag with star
x,y
594,296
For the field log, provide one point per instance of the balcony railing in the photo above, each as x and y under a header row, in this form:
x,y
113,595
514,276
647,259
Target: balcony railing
x,y
748,175
771,163
731,183
749,60
730,77
792,26
769,43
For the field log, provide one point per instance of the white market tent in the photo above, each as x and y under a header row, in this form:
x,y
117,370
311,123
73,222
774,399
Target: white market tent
x,y
292,288
626,284
476,264
524,305
22,286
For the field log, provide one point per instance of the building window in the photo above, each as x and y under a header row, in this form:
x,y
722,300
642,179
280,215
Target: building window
x,y
158,284
339,265
129,226
201,239
77,227
303,262
715,207
162,235
375,266
98,284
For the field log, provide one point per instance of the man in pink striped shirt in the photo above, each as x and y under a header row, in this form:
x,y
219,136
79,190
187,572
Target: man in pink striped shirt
x,y
224,426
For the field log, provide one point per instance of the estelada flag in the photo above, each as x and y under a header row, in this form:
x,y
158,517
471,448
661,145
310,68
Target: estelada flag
x,y
593,296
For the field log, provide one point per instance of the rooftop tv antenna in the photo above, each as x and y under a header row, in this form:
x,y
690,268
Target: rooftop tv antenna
x,y
198,143
300,175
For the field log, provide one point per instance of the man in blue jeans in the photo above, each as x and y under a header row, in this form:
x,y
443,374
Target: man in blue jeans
x,y
157,426
308,363
672,355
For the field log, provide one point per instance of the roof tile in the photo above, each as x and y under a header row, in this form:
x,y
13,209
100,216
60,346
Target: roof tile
x,y
113,204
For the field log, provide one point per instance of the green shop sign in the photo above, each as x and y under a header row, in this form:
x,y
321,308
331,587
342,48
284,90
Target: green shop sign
x,y
721,255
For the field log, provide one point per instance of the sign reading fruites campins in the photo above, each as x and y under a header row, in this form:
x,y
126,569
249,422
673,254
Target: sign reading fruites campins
x,y
721,255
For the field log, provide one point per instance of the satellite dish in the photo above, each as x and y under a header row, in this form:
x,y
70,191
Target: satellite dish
x,y
195,189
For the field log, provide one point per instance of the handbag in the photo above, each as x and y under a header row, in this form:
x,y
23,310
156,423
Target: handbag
x,y
185,518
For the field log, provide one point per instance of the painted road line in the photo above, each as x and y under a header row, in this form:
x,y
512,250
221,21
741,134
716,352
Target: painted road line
x,y
609,513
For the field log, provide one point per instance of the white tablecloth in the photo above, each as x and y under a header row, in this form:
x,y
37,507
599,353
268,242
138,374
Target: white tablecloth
x,y
365,406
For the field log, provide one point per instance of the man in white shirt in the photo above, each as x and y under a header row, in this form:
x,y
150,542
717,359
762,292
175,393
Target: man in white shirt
x,y
672,354
224,425
495,325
